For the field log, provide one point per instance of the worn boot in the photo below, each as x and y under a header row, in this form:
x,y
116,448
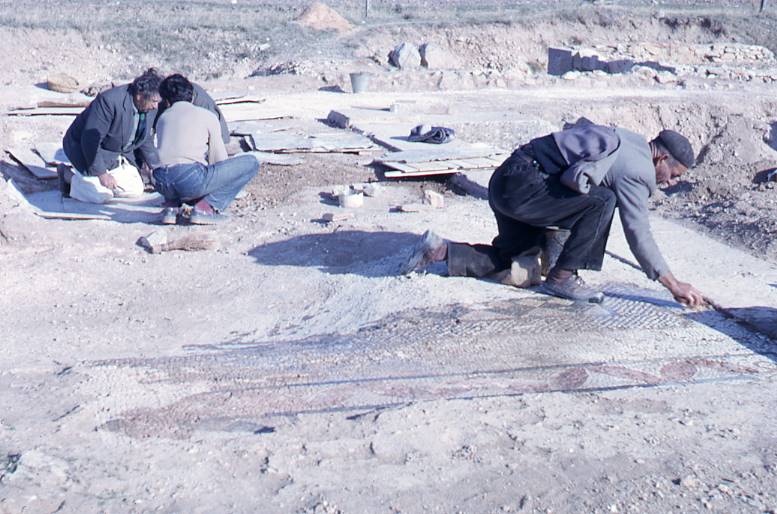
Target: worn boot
x,y
429,248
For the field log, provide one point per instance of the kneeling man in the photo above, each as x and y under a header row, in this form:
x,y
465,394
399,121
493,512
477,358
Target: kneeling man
x,y
195,168
109,141
573,180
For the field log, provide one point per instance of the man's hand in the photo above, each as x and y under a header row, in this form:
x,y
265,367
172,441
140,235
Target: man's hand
x,y
687,294
683,292
107,180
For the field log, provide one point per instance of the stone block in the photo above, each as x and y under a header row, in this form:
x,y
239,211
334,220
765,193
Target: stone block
x,y
62,83
405,56
338,119
351,200
559,61
371,190
620,66
525,271
331,217
435,57
410,207
155,241
591,63
436,200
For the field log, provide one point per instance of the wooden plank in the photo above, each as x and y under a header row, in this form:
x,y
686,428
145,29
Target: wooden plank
x,y
71,216
471,164
240,100
250,111
480,162
434,166
274,158
399,174
46,111
64,103
445,153
219,96
456,163
399,166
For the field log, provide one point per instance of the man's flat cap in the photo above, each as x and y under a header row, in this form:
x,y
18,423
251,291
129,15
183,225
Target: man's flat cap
x,y
679,146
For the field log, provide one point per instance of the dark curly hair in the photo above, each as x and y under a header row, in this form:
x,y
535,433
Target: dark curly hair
x,y
146,85
176,88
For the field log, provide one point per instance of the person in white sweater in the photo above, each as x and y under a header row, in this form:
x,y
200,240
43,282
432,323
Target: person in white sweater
x,y
195,168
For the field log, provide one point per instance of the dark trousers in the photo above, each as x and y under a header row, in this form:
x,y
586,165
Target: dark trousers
x,y
526,201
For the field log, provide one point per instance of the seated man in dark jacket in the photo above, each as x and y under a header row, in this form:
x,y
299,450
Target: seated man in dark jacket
x,y
573,179
116,125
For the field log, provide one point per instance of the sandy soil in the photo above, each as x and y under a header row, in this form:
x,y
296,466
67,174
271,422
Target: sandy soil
x,y
292,370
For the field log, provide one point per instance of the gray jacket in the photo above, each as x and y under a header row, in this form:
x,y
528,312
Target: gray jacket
x,y
103,132
621,161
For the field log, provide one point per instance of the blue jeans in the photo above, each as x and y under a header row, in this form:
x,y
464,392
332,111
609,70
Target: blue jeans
x,y
217,184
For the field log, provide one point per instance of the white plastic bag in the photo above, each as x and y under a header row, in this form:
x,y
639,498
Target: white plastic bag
x,y
88,189
129,184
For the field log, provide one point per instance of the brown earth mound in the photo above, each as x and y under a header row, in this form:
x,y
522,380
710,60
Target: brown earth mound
x,y
319,16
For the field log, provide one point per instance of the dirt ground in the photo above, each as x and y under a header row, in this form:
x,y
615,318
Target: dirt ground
x,y
293,370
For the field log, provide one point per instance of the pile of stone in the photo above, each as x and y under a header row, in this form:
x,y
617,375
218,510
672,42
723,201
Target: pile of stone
x,y
729,52
561,61
680,54
630,57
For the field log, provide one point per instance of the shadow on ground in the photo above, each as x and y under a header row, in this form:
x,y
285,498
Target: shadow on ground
x,y
738,324
763,319
369,254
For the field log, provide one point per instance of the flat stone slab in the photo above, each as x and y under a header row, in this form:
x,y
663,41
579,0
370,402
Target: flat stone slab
x,y
32,162
52,153
325,142
51,204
